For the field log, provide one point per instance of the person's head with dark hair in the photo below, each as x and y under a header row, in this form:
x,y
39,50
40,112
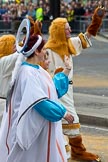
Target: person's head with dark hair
x,y
31,43
34,41
34,49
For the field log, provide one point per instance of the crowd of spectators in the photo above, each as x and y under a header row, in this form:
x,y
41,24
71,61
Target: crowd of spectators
x,y
74,10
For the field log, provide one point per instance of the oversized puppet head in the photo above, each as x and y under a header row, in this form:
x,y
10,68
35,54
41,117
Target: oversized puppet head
x,y
58,42
7,44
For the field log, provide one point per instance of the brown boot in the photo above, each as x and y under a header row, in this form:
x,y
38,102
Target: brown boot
x,y
78,151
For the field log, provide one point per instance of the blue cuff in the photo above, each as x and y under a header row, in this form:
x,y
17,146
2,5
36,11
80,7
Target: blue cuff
x,y
50,110
61,82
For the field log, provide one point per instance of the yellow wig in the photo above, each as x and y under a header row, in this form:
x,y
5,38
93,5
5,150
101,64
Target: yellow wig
x,y
7,45
57,40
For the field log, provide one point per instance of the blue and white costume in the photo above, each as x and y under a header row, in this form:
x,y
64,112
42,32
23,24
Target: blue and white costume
x,y
35,118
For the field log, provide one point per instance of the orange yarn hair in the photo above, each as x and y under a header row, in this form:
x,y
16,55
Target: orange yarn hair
x,y
57,41
7,43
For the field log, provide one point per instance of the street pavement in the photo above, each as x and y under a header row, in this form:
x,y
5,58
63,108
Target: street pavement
x,y
94,123
91,83
95,141
92,108
91,100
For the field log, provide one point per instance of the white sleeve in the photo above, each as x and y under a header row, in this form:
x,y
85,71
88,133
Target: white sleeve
x,y
7,64
77,44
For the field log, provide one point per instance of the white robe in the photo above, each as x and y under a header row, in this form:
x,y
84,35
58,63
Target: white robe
x,y
31,137
67,100
7,64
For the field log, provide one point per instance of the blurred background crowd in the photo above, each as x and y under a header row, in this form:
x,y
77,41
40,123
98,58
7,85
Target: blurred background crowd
x,y
73,10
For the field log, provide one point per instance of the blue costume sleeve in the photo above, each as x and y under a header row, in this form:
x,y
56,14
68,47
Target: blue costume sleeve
x,y
61,83
50,110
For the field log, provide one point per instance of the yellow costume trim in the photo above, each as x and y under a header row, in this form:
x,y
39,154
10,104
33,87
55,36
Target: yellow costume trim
x,y
71,126
68,148
83,41
60,69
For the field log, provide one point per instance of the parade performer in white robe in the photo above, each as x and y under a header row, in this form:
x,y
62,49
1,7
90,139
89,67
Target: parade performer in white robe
x,y
31,129
59,44
8,58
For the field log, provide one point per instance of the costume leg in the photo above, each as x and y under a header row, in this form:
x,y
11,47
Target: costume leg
x,y
78,150
67,147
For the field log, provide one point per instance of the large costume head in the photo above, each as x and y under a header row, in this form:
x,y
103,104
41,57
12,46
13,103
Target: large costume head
x,y
57,40
7,43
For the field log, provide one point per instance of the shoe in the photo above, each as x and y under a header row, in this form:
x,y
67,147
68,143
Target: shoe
x,y
97,160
